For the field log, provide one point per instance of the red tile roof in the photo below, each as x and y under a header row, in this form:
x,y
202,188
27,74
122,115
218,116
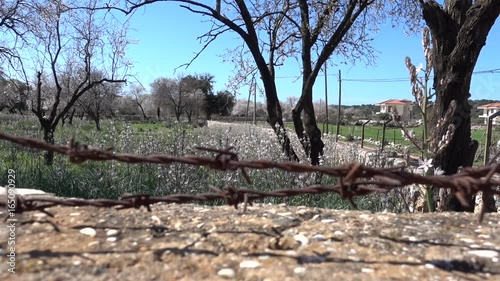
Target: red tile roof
x,y
489,105
394,101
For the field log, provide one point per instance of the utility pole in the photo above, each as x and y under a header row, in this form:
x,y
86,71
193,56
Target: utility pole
x,y
248,101
251,89
326,99
340,102
254,101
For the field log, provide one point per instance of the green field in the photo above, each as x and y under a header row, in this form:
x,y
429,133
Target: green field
x,y
394,135
113,179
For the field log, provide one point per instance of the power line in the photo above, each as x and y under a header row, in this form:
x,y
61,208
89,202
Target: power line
x,y
392,80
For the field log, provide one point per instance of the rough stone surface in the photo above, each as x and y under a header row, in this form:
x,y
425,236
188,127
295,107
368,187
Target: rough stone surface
x,y
268,242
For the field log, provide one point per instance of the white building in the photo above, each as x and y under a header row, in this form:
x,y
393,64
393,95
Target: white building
x,y
402,107
489,109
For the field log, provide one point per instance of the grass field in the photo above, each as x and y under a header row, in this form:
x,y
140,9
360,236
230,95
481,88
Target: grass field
x,y
113,179
395,136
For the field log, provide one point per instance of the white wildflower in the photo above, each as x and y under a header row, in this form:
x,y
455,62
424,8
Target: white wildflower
x,y
425,165
438,171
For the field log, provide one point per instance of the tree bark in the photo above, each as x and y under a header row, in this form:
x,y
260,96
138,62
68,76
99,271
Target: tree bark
x,y
306,127
48,137
459,31
71,116
97,124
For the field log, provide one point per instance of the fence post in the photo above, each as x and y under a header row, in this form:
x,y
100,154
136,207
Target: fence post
x,y
338,129
488,137
383,134
363,133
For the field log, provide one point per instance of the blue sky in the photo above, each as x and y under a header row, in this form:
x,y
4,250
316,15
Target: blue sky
x,y
166,38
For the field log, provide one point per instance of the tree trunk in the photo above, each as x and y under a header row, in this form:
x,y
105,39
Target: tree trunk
x,y
189,115
459,31
275,115
48,137
97,124
306,128
71,116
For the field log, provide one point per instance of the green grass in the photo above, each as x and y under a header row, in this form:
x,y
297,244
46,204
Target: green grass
x,y
393,135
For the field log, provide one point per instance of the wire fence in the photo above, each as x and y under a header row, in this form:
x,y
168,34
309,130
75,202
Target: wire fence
x,y
354,179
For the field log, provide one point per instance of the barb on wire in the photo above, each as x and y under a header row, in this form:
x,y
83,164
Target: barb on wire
x,y
356,179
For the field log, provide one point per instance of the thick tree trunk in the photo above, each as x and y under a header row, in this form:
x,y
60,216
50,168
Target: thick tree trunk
x,y
459,31
275,116
306,127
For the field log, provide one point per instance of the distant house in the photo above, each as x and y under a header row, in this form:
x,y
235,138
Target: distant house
x,y
402,107
489,109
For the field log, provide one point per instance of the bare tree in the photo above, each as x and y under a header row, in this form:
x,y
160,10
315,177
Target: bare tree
x,y
16,21
13,26
288,106
98,100
69,44
239,108
310,31
137,93
168,94
125,105
13,95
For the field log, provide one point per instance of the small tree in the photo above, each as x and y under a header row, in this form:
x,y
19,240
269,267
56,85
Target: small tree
x,y
168,95
98,100
13,95
138,96
125,105
69,42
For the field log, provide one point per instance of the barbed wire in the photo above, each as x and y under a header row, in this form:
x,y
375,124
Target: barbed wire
x,y
355,179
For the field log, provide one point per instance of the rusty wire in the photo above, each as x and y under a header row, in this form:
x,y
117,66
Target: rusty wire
x,y
356,179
